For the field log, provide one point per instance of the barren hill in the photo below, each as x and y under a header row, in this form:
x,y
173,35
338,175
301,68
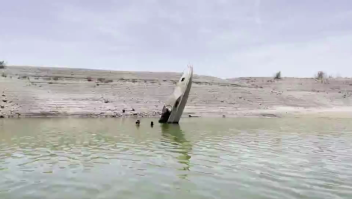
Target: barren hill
x,y
39,91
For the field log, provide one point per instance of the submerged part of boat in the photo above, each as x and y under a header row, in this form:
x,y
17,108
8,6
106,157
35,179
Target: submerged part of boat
x,y
174,106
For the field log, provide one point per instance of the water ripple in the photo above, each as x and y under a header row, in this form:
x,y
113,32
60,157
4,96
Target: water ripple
x,y
223,158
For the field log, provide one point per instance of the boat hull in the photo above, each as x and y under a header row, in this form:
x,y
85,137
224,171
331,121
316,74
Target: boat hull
x,y
175,105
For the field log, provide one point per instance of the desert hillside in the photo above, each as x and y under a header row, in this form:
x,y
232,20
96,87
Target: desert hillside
x,y
39,92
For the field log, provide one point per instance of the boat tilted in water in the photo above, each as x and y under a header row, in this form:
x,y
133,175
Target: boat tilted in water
x,y
174,106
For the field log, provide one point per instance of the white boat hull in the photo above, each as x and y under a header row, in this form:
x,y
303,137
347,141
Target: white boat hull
x,y
173,108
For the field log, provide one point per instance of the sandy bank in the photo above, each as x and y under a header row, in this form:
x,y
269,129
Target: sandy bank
x,y
48,92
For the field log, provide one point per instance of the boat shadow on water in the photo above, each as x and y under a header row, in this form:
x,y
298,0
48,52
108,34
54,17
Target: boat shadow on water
x,y
174,135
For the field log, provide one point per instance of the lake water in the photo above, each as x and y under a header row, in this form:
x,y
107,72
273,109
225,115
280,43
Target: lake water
x,y
200,158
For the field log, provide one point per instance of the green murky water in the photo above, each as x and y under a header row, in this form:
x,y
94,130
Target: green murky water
x,y
200,158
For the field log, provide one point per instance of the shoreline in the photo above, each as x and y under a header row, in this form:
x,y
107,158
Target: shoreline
x,y
273,113
66,92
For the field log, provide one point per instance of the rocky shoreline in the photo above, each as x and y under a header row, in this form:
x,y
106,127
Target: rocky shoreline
x,y
63,92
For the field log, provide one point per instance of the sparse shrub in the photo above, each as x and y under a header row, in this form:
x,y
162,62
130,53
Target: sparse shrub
x,y
89,79
277,75
103,80
23,77
55,78
100,79
3,75
108,81
2,65
320,75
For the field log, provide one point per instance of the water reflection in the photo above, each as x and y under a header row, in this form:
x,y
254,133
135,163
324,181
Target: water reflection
x,y
176,136
103,158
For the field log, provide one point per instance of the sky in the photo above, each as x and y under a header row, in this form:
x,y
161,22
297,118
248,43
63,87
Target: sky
x,y
223,38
